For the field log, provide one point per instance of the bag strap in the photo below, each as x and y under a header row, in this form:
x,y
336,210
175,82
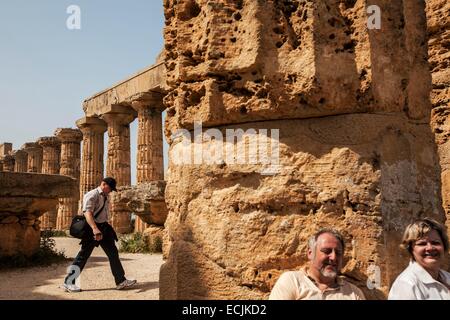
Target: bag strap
x,y
98,212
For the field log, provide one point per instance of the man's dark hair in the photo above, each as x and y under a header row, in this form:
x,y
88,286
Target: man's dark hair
x,y
111,182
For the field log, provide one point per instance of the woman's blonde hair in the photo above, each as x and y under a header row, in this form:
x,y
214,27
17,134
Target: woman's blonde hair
x,y
419,228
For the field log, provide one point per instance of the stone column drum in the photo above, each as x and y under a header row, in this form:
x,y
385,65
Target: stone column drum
x,y
34,152
150,165
93,130
51,147
70,166
21,163
118,164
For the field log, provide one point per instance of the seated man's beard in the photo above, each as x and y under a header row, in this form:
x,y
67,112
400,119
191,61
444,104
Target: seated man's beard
x,y
328,273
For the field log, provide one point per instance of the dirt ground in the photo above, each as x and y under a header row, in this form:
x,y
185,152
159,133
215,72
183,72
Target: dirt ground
x,y
96,279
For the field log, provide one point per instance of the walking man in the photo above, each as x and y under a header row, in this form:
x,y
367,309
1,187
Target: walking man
x,y
100,233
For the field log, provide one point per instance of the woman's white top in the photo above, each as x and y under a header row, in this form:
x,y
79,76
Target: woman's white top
x,y
415,283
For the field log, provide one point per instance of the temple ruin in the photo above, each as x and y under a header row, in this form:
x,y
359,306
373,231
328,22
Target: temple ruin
x,y
112,110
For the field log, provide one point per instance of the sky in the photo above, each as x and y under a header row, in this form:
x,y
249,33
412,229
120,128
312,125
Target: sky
x,y
47,70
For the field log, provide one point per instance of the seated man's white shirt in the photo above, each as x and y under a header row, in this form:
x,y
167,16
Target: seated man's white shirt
x,y
296,285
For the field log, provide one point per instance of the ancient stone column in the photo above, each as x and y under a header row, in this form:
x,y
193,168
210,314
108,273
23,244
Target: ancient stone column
x,y
70,166
350,142
6,160
118,163
8,163
93,130
21,164
150,141
34,152
150,165
5,149
51,149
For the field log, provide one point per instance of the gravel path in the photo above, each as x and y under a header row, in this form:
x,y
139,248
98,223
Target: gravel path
x,y
97,281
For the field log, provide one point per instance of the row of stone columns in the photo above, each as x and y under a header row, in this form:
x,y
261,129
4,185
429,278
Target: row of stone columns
x,y
59,154
116,121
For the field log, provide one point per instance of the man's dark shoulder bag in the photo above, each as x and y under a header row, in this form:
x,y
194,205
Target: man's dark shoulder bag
x,y
79,227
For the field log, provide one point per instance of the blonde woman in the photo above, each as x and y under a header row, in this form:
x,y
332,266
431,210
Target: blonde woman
x,y
427,242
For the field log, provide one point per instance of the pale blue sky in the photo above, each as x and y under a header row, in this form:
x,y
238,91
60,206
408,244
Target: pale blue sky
x,y
47,70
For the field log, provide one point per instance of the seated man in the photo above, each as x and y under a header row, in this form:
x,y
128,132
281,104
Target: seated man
x,y
320,280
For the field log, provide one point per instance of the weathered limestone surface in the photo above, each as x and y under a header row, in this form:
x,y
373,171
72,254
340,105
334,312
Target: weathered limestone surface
x,y
356,151
154,235
21,163
51,150
438,13
24,197
70,166
145,200
34,152
232,62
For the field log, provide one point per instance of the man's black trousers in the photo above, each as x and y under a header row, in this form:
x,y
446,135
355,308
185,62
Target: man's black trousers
x,y
109,247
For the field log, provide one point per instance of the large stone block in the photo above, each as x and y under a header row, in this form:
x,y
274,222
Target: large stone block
x,y
24,197
367,175
16,238
356,151
36,185
146,200
242,61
